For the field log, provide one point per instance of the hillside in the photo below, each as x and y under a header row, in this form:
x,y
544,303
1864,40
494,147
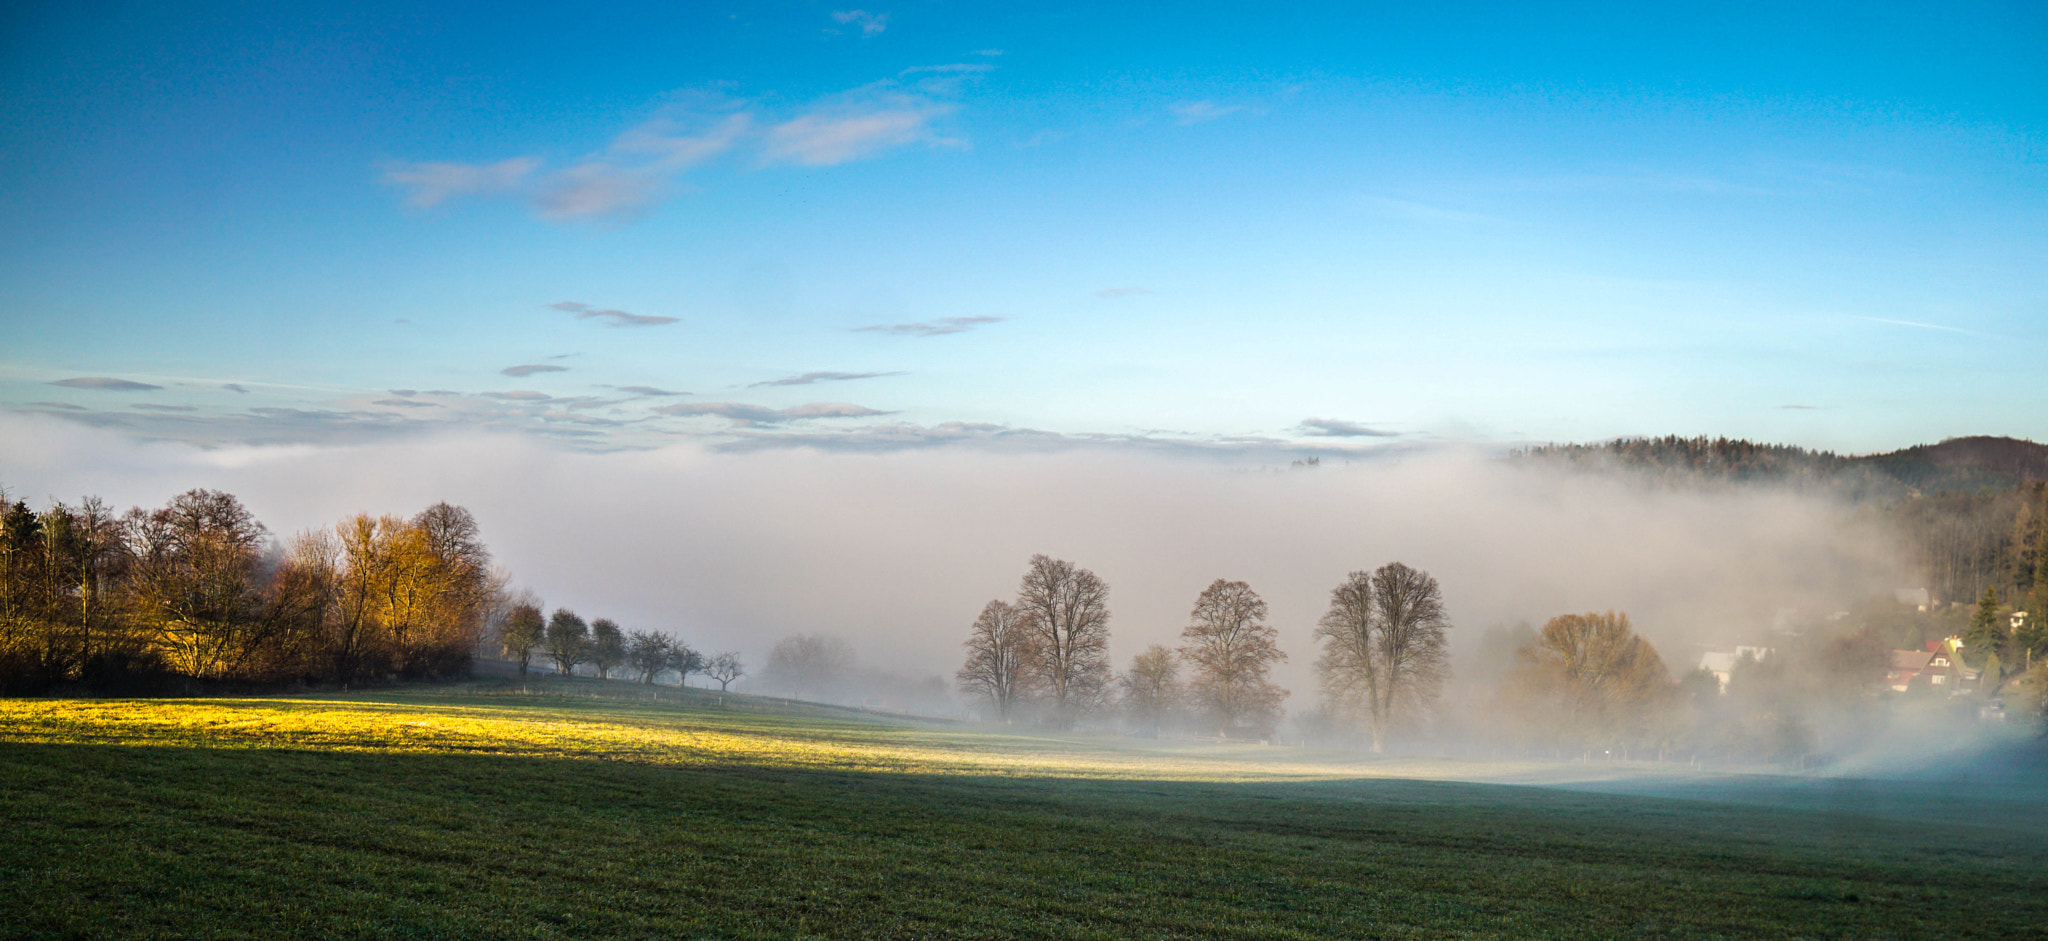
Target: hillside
x,y
1954,465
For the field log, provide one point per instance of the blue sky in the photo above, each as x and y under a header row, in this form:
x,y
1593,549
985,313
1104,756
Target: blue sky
x,y
1233,230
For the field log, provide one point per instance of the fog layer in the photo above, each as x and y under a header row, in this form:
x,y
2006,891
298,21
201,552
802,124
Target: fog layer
x,y
896,553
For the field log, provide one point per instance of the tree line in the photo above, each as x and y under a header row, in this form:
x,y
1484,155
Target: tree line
x,y
1045,654
1584,684
567,641
198,588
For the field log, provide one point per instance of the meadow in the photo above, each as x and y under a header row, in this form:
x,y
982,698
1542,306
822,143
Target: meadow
x,y
583,809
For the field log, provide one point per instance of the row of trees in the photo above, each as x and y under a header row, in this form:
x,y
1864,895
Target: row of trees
x,y
199,588
569,642
1383,661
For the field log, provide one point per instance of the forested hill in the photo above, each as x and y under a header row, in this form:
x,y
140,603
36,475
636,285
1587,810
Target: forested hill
x,y
1972,512
1955,465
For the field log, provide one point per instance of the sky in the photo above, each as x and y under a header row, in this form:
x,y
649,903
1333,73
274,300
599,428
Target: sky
x,y
1248,232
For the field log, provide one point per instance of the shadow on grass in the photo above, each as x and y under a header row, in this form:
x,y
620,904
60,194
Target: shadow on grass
x,y
118,841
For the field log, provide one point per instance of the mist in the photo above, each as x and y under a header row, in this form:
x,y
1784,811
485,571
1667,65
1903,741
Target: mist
x,y
896,552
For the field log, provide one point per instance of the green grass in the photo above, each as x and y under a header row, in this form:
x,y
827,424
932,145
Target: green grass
x,y
471,812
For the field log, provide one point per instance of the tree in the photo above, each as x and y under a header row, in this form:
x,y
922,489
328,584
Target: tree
x,y
809,666
1067,609
198,578
725,669
607,646
524,630
1151,690
648,652
1384,638
684,661
1001,657
1595,683
568,640
1986,636
1233,650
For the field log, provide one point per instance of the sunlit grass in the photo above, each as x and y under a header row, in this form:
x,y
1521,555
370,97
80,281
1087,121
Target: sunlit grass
x,y
622,729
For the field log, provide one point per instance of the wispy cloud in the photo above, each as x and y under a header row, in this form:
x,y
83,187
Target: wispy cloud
x,y
150,407
1801,408
930,328
616,318
1196,112
63,405
1923,326
869,24
1121,292
521,372
634,172
640,167
649,390
743,414
234,387
430,184
520,395
854,127
1337,428
811,378
105,383
406,403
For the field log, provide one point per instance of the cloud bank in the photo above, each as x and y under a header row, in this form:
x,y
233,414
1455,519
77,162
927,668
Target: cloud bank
x,y
896,552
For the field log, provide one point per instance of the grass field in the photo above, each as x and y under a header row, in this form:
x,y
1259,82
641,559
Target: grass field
x,y
477,811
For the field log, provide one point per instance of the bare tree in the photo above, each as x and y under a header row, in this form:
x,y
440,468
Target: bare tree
x,y
1150,690
648,652
568,640
607,646
809,666
725,669
685,661
1001,657
1067,609
1233,650
524,630
1384,639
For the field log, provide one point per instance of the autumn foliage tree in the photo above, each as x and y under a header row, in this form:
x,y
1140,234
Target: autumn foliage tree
x,y
1383,647
1591,682
1232,650
200,588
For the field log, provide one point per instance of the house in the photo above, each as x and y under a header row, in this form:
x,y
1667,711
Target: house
x,y
1907,665
1912,597
1939,666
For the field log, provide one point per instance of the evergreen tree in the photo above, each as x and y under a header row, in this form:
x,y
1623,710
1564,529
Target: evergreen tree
x,y
1986,635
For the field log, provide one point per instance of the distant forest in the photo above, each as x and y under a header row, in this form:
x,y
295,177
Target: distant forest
x,y
1972,511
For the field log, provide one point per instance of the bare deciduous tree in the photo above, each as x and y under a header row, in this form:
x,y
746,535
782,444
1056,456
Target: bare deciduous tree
x,y
1001,658
1067,609
809,666
1233,650
724,669
648,652
1384,639
1150,690
685,661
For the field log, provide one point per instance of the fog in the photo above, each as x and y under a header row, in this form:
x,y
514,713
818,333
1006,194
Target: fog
x,y
896,552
